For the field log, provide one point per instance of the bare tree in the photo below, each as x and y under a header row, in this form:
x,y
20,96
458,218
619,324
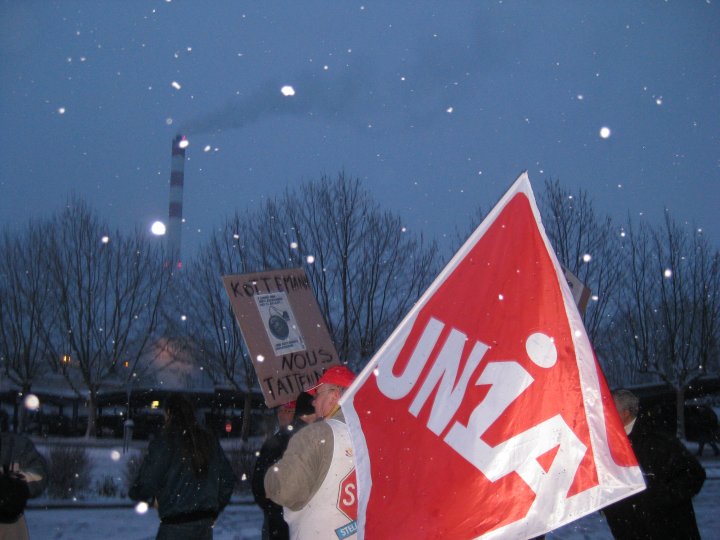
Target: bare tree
x,y
211,335
141,280
367,269
591,249
25,309
672,314
108,291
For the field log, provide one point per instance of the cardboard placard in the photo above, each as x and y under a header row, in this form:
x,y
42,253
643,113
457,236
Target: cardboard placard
x,y
283,329
580,291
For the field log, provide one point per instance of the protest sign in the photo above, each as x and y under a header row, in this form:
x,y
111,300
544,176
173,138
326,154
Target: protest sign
x,y
283,329
485,414
580,291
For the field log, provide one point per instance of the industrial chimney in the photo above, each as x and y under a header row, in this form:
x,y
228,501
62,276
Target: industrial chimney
x,y
177,179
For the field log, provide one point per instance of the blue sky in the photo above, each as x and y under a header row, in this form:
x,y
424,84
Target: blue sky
x,y
436,106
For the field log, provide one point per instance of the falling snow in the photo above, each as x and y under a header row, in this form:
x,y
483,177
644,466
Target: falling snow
x,y
95,115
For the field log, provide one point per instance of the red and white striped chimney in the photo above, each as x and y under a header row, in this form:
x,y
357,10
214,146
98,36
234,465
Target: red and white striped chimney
x,y
177,179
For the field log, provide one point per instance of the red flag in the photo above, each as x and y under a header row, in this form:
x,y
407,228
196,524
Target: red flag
x,y
485,414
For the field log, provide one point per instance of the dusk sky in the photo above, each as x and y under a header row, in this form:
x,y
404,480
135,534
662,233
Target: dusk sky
x,y
435,106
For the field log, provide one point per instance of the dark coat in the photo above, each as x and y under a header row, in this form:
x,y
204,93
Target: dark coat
x,y
167,477
19,449
271,452
18,452
673,476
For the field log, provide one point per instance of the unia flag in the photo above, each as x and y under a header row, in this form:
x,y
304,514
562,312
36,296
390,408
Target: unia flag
x,y
485,414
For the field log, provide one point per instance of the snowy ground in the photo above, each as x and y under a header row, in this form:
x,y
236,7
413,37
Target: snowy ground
x,y
238,522
97,519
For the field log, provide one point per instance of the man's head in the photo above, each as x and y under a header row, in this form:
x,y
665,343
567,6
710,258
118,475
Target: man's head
x,y
329,388
627,404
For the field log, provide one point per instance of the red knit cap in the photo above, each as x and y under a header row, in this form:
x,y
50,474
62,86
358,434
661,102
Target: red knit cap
x,y
336,375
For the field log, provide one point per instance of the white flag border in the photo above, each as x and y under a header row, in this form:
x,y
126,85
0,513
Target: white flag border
x,y
630,478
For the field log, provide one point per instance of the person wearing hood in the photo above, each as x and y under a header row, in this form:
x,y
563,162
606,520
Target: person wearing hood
x,y
292,417
308,480
673,477
20,457
186,474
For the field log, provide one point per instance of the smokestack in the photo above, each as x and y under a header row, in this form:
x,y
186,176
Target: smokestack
x,y
177,179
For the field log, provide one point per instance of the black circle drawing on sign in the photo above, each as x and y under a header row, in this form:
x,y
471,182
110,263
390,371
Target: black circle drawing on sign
x,y
278,327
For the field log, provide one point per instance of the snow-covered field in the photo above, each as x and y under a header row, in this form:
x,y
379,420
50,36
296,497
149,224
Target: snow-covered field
x,y
96,519
243,522
238,522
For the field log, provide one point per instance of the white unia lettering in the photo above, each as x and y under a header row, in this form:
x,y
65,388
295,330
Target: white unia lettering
x,y
399,387
444,372
507,380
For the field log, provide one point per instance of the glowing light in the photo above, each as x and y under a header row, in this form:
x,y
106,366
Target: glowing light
x,y
587,258
183,318
659,101
449,110
61,110
287,91
207,148
667,273
293,245
605,132
158,228
176,85
184,143
260,358
31,402
155,404
501,297
105,239
141,507
115,455
310,259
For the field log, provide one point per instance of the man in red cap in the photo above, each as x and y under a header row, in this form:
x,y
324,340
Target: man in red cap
x,y
292,416
307,480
